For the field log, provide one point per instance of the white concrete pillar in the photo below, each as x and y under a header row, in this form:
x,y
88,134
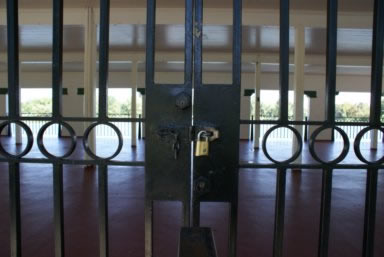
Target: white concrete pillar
x,y
73,102
19,136
313,106
374,139
90,53
18,129
256,134
3,109
299,83
133,102
141,85
245,115
143,116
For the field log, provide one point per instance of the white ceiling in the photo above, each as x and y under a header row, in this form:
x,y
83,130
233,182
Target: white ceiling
x,y
344,5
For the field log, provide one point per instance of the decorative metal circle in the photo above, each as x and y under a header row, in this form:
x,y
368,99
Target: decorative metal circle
x,y
29,145
86,144
343,153
294,156
357,142
40,141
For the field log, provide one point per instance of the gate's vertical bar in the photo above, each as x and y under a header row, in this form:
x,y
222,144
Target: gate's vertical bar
x,y
198,72
326,195
325,211
377,63
103,59
58,209
14,191
103,210
57,59
236,81
57,75
150,46
278,237
370,213
198,44
14,113
13,59
375,116
331,60
237,39
188,71
188,64
284,59
284,87
149,82
103,116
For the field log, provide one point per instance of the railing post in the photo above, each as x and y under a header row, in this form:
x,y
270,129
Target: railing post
x,y
252,127
306,129
90,70
298,85
133,101
139,132
257,127
59,131
9,132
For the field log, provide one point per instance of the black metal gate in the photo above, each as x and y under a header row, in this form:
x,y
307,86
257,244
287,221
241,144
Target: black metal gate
x,y
176,115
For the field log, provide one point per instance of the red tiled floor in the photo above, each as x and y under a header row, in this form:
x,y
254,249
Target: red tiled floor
x,y
126,209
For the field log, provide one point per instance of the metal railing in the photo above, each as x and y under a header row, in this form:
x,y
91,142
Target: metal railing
x,y
284,133
352,131
101,131
125,128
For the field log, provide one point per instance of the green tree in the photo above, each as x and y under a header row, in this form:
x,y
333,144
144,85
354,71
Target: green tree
x,y
41,106
349,110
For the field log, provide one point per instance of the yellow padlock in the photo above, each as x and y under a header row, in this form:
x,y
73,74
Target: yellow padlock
x,y
202,145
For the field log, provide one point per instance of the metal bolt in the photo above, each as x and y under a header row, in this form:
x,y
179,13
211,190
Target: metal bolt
x,y
183,101
202,185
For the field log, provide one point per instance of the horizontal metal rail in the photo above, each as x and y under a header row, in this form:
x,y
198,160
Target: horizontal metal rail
x,y
241,165
309,166
79,119
294,122
242,122
77,162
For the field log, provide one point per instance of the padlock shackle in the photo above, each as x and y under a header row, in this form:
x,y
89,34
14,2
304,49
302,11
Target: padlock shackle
x,y
199,135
